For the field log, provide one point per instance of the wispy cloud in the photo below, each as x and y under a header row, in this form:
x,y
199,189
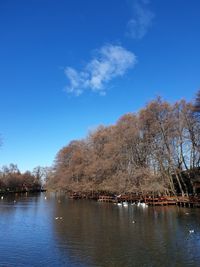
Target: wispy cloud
x,y
109,62
141,19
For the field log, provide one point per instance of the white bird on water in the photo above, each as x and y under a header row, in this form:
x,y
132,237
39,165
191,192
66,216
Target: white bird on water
x,y
1,197
125,204
144,205
56,218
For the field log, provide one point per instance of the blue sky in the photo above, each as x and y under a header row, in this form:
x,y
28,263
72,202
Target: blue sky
x,y
67,66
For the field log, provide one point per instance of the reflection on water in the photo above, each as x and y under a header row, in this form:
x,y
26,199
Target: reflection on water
x,y
35,231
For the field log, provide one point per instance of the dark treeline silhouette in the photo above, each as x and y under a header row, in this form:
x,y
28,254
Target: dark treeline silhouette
x,y
154,150
12,180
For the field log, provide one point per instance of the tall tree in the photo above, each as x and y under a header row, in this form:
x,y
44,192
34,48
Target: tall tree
x,y
197,102
156,149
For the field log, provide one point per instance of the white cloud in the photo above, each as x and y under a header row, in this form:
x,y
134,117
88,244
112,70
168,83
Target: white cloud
x,y
141,20
110,61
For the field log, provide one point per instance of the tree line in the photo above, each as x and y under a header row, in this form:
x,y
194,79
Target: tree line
x,y
154,150
12,180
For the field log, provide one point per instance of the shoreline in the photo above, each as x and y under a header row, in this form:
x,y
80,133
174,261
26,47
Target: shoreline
x,y
11,192
148,199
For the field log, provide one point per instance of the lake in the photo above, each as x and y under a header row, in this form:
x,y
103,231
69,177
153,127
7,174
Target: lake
x,y
54,231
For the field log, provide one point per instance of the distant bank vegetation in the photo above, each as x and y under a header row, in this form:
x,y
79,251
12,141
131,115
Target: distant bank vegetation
x,y
154,150
12,180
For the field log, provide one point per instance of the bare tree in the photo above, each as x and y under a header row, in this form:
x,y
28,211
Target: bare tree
x,y
156,149
197,103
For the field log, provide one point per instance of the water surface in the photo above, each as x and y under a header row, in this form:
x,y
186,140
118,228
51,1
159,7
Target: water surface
x,y
53,231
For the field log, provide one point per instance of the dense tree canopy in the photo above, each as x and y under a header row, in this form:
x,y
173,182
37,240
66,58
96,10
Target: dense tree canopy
x,y
12,180
156,149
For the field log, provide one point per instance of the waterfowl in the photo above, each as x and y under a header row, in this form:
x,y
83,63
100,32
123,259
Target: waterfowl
x,y
125,204
56,218
144,205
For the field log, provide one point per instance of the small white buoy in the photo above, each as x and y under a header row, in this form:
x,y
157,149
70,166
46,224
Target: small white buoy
x,y
56,218
133,221
45,197
1,197
191,231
